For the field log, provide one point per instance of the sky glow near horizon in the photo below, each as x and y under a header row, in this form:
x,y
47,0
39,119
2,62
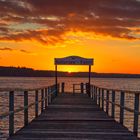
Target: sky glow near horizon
x,y
34,32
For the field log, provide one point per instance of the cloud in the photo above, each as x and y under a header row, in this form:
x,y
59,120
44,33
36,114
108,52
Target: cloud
x,y
6,49
16,50
3,29
24,51
58,17
42,36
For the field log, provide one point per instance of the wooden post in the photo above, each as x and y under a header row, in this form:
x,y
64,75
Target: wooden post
x,y
42,98
46,98
59,88
122,108
102,99
136,115
99,96
11,115
89,76
52,91
49,95
107,102
56,79
96,95
25,108
73,89
113,104
87,89
92,92
36,103
82,88
62,87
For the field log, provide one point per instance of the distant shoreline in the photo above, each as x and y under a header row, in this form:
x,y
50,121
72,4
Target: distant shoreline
x,y
28,72
67,77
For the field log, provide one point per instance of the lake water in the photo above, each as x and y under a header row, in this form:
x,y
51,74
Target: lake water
x,y
35,82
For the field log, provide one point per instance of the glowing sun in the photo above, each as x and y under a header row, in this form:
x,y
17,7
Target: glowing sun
x,y
69,71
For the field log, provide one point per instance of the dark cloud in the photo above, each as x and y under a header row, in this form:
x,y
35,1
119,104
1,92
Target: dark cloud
x,y
102,8
6,49
4,29
42,36
10,49
15,7
24,51
107,17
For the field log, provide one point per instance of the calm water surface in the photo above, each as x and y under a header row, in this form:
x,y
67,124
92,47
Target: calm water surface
x,y
33,82
26,82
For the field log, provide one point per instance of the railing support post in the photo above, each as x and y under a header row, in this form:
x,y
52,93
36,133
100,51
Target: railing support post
x,y
58,88
36,103
86,88
42,100
113,104
107,102
92,92
49,95
82,88
136,115
62,87
11,110
122,107
73,89
102,99
96,95
25,108
99,96
46,98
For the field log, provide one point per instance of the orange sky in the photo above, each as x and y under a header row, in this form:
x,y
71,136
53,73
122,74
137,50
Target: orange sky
x,y
32,37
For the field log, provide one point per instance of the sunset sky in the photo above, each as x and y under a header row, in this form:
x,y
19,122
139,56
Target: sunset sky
x,y
34,32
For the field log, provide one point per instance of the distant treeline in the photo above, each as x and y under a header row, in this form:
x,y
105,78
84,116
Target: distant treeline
x,y
29,72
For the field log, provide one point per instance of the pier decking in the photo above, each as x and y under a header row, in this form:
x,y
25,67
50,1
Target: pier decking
x,y
73,117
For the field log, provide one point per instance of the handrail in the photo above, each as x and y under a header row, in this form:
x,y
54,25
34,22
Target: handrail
x,y
124,107
47,94
98,94
22,89
82,87
119,90
4,115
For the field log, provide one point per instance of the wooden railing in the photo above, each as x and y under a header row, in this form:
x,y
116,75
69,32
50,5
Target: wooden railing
x,y
78,87
106,99
46,94
82,88
110,99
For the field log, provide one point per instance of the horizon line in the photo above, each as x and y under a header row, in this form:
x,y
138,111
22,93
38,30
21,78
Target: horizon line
x,y
72,71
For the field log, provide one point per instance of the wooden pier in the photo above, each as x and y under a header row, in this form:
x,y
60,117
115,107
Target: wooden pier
x,y
73,116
